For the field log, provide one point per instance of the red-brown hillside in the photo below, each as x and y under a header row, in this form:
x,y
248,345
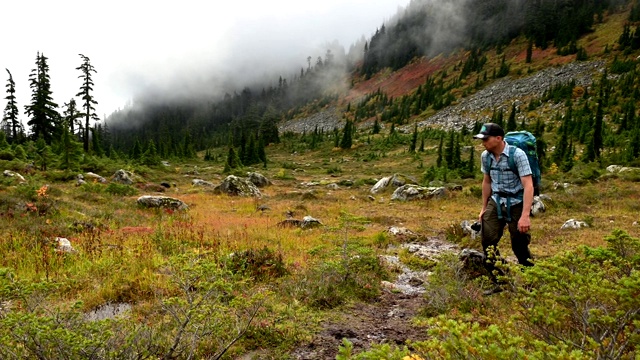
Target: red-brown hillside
x,y
400,82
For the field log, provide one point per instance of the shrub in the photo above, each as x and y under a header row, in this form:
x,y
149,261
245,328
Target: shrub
x,y
588,298
6,154
262,264
449,288
121,190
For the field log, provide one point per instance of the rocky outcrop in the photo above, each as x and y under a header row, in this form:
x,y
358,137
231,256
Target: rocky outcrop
x,y
258,179
394,181
415,192
237,186
122,177
13,174
161,202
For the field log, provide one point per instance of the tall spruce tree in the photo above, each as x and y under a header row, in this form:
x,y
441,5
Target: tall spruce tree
x,y
88,101
511,122
347,135
11,125
71,115
45,119
414,139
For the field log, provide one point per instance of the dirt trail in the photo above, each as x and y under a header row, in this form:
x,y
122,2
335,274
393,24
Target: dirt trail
x,y
388,320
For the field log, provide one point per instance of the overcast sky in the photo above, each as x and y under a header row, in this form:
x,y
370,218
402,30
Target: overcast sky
x,y
136,45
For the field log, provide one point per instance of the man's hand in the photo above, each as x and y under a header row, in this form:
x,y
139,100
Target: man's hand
x,y
524,224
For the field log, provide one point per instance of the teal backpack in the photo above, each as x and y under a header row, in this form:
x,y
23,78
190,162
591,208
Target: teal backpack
x,y
527,142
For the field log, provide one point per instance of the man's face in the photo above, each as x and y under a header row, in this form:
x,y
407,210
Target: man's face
x,y
491,142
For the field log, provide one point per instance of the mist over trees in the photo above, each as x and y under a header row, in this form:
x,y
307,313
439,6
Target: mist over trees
x,y
159,127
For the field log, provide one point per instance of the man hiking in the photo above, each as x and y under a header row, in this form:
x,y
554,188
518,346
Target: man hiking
x,y
507,196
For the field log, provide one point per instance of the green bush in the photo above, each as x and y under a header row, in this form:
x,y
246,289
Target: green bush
x,y
588,298
120,190
262,264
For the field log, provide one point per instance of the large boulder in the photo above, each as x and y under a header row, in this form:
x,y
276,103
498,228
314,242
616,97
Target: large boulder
x,y
95,177
573,224
394,181
537,207
12,174
122,177
258,179
237,186
162,202
200,182
414,192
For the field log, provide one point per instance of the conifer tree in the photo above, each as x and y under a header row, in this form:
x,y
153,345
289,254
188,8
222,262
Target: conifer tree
x,y
347,135
150,156
414,139
376,127
45,120
511,122
268,130
11,125
449,151
96,141
262,154
69,150
136,151
233,161
44,155
87,97
70,116
440,157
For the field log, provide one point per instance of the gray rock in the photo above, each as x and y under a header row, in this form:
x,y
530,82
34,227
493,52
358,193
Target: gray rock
x,y
64,245
96,177
10,173
123,177
200,182
237,186
573,224
309,222
258,179
154,201
467,230
537,207
414,192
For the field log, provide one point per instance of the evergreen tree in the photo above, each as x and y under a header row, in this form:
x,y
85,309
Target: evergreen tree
x,y
87,97
511,122
376,127
150,156
233,161
44,155
268,131
449,151
414,139
262,154
71,115
96,142
11,125
69,150
440,157
136,151
347,135
45,120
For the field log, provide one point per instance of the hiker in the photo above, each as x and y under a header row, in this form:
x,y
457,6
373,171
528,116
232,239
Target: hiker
x,y
511,190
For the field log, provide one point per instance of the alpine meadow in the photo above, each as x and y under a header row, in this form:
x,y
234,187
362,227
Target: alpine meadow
x,y
325,214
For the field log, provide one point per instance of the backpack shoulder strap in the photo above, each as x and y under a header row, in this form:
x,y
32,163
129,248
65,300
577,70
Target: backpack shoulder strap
x,y
487,163
512,159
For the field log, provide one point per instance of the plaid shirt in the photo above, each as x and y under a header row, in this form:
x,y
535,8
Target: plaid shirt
x,y
502,178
